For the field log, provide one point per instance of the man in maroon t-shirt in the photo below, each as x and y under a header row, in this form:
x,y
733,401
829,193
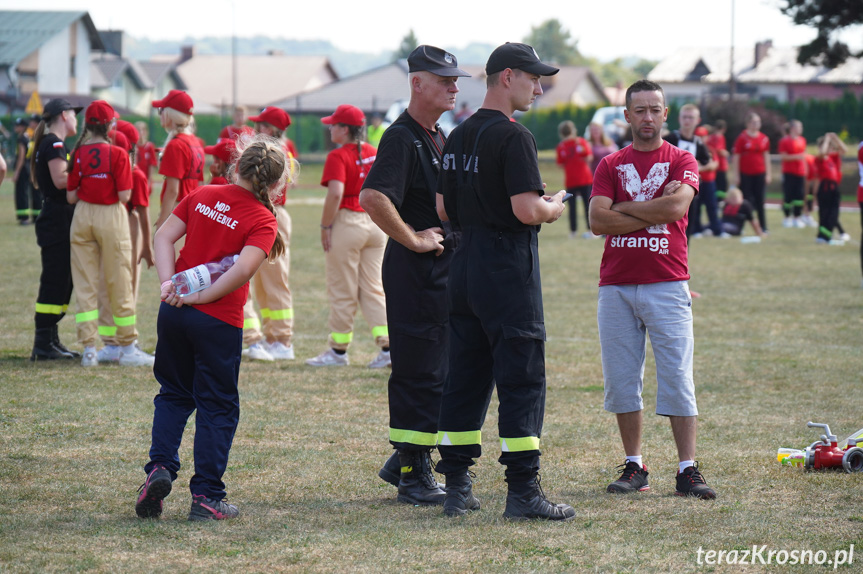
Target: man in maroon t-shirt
x,y
641,196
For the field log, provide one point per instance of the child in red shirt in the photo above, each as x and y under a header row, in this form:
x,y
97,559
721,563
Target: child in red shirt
x,y
200,335
182,161
223,154
829,166
575,155
100,182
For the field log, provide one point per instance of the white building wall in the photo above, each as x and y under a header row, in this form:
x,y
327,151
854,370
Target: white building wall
x,y
82,59
54,65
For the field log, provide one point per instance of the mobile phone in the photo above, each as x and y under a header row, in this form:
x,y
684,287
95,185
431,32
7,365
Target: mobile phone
x,y
566,196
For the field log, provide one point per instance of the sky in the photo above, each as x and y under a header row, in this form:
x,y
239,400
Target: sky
x,y
604,29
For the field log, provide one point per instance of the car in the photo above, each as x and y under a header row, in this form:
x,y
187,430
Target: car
x,y
612,120
447,120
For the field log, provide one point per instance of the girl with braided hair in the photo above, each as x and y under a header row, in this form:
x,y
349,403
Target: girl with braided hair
x,y
353,244
201,334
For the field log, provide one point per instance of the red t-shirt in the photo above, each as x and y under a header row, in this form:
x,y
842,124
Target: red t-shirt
x,y
146,157
793,146
811,168
290,147
344,165
829,167
571,154
233,132
218,180
140,190
711,174
717,142
657,253
99,171
221,220
751,150
183,159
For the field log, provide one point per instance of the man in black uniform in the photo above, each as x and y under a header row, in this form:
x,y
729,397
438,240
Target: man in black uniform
x,y
491,189
48,170
21,176
398,194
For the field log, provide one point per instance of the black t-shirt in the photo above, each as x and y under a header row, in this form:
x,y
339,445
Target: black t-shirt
x,y
734,217
695,146
506,165
398,174
51,147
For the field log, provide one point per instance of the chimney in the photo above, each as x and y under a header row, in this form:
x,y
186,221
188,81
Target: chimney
x,y
113,41
761,50
187,52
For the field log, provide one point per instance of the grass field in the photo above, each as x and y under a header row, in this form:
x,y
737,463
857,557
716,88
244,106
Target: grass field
x,y
778,335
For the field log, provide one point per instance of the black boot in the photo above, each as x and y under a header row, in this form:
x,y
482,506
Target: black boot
x,y
391,471
55,339
459,495
526,501
43,347
417,484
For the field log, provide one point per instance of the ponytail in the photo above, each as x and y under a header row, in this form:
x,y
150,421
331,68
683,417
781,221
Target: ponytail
x,y
37,139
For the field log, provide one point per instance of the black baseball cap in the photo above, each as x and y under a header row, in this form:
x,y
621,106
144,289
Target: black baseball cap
x,y
517,57
56,107
434,60
21,122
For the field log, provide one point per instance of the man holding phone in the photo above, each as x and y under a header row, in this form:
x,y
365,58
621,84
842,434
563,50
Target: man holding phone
x,y
490,188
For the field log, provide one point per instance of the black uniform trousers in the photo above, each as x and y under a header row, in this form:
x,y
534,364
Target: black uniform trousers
x,y
55,283
793,191
497,337
753,188
828,208
415,287
24,206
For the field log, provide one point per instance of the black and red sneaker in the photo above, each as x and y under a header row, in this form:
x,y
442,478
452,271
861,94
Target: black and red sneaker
x,y
633,478
691,483
152,492
204,508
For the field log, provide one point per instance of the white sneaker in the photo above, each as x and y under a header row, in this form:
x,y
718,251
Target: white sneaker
x,y
724,235
135,357
281,352
381,361
809,221
329,358
707,232
589,235
845,237
799,223
258,352
787,222
88,358
108,354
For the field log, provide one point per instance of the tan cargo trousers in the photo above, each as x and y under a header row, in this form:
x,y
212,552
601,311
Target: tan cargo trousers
x,y
354,278
100,240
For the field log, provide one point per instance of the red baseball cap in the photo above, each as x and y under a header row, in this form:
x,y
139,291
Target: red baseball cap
x,y
99,112
176,100
701,131
128,130
276,117
225,150
119,140
346,114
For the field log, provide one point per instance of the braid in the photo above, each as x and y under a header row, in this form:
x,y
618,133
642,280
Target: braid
x,y
262,163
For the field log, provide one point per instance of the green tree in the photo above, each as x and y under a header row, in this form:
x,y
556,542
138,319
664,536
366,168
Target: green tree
x,y
554,44
408,44
828,17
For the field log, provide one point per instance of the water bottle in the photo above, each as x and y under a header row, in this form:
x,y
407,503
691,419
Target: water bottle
x,y
790,457
200,277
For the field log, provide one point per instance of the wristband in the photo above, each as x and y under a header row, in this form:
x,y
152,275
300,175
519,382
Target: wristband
x,y
326,226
